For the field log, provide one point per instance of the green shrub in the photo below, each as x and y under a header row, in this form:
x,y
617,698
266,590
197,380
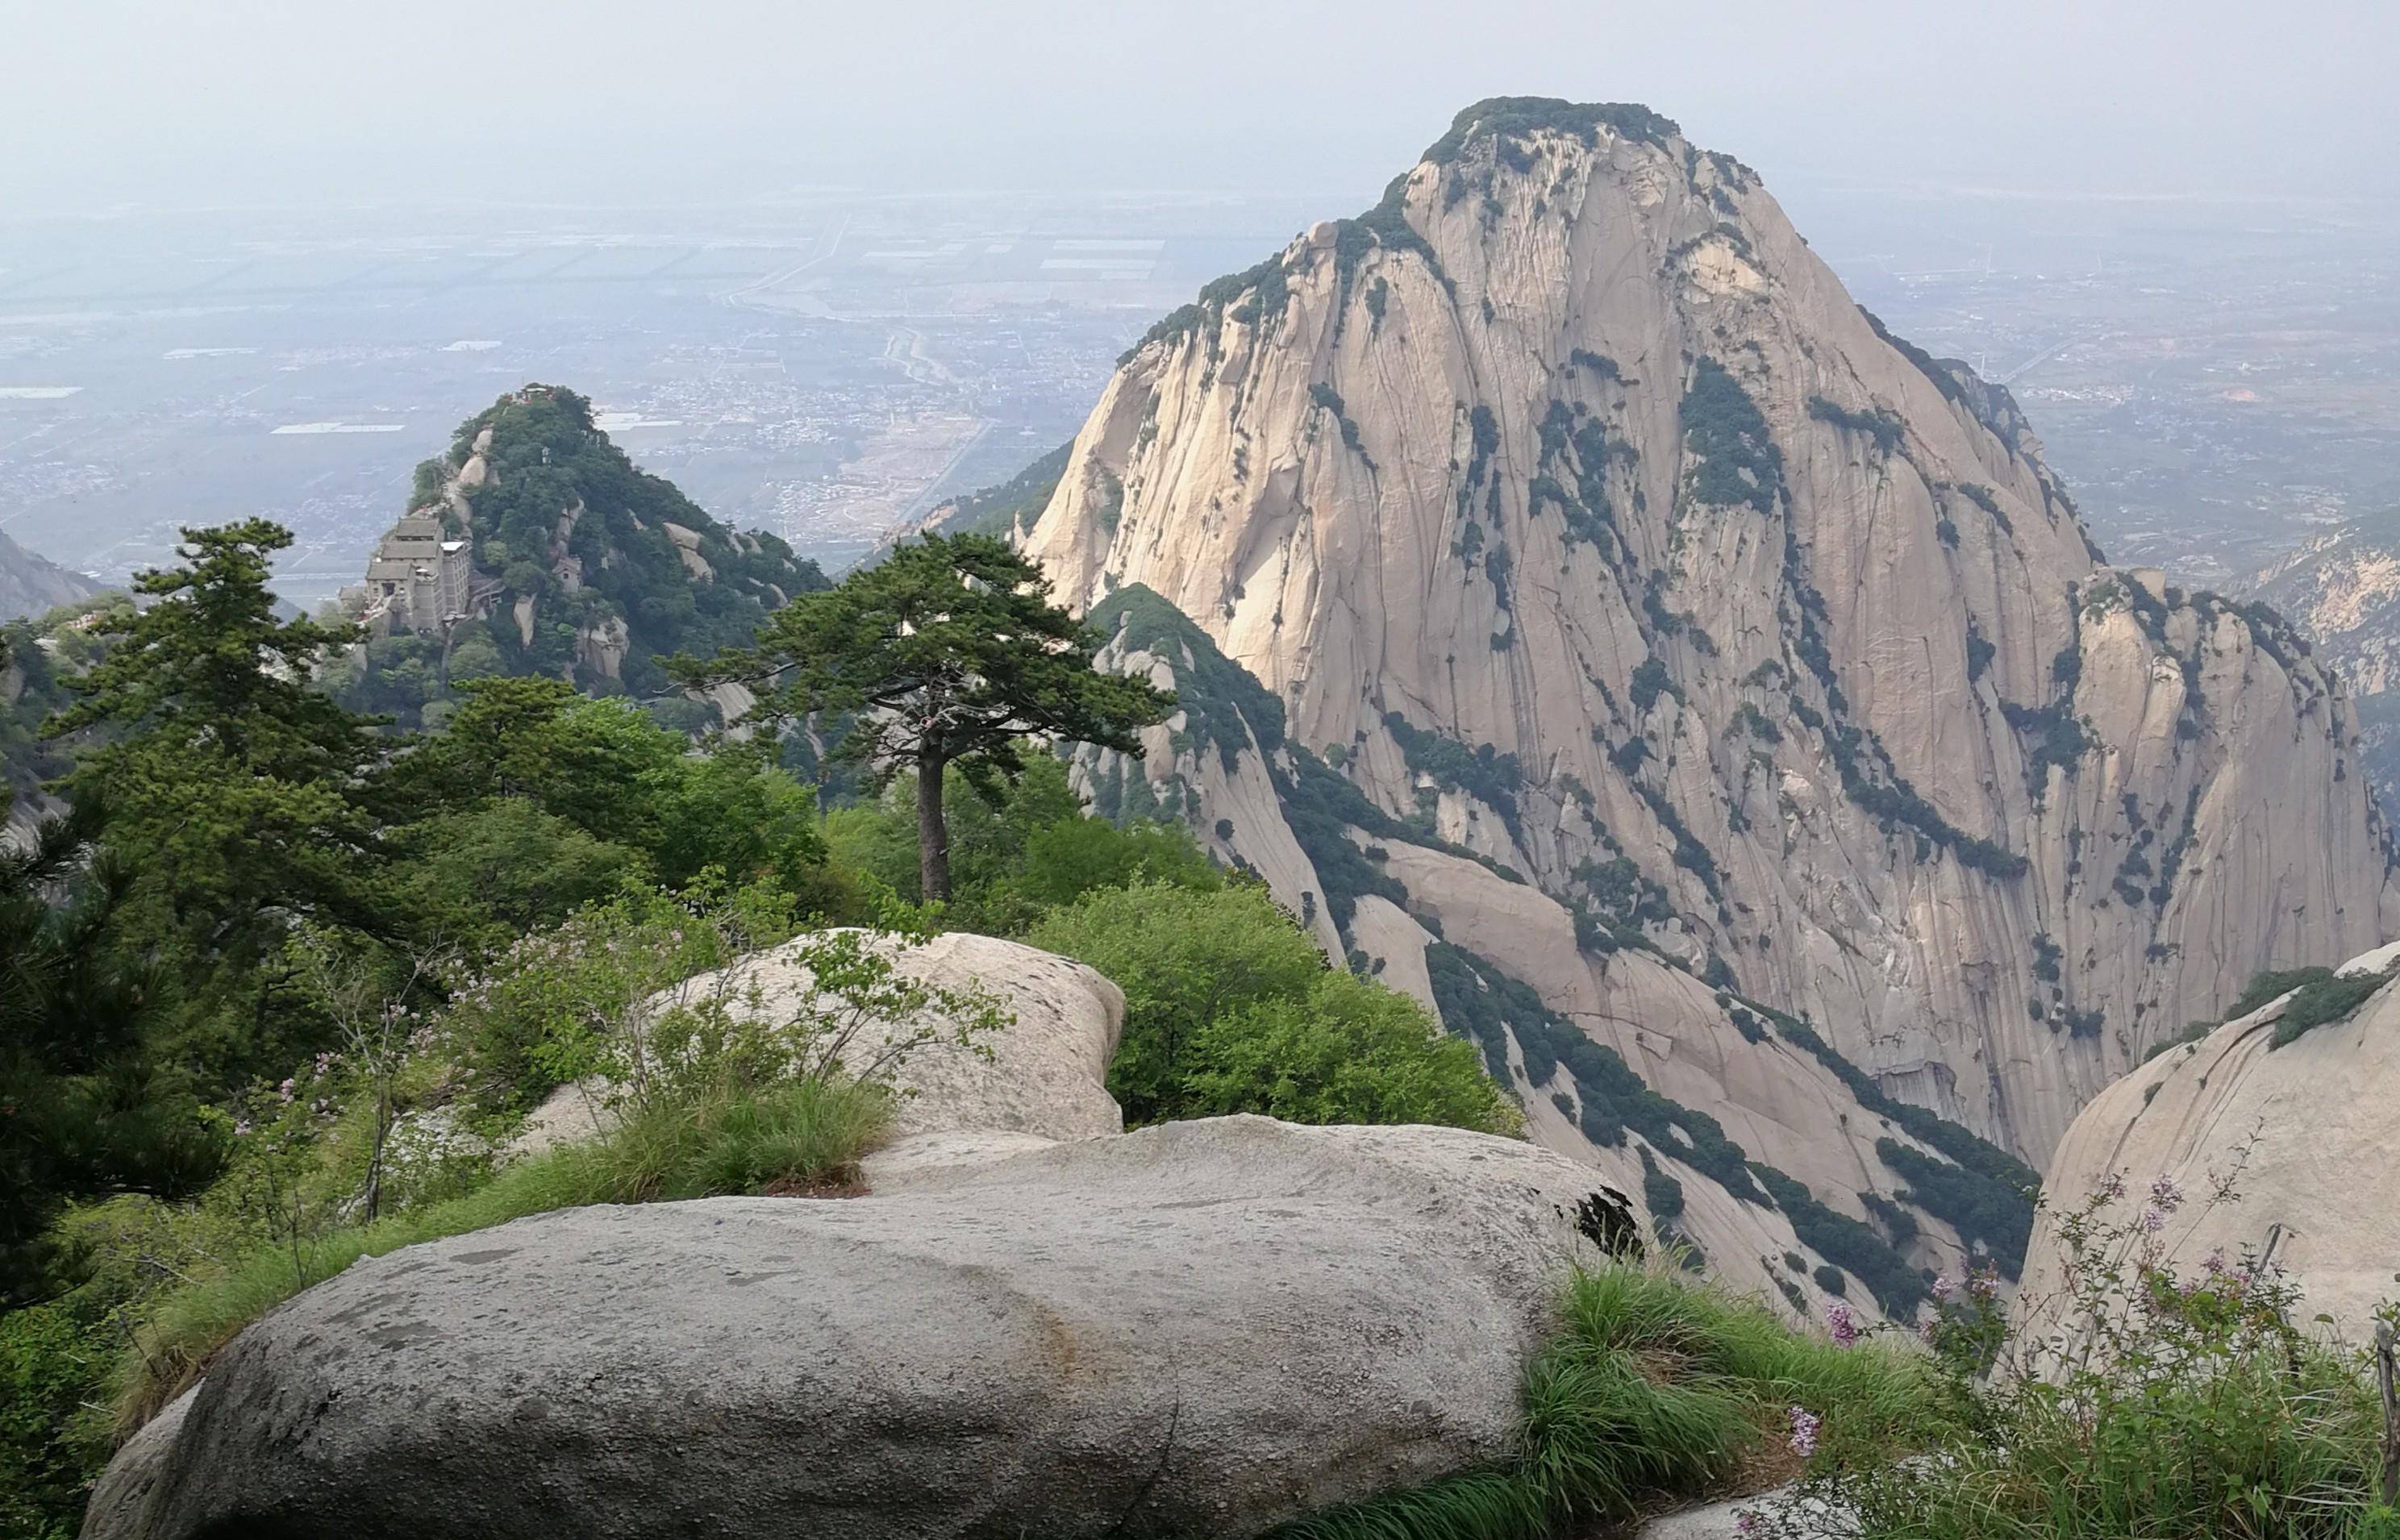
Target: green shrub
x,y
1734,457
1016,853
1346,1051
1183,958
1661,1193
52,1369
2327,1000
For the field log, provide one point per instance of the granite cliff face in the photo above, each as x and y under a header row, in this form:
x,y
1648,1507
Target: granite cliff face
x,y
1643,622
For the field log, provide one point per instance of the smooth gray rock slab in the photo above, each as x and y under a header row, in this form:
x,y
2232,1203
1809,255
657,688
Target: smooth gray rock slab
x,y
1199,1329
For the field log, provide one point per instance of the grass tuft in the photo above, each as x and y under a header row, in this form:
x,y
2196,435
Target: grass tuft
x,y
1655,1389
800,1135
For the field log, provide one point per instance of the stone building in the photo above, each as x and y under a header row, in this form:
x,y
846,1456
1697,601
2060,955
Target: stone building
x,y
417,577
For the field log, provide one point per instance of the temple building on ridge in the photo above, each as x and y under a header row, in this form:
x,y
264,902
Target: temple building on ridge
x,y
416,580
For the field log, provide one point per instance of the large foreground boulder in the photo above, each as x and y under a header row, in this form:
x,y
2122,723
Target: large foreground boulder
x,y
1202,1328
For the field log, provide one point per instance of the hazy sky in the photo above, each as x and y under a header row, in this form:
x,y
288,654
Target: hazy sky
x,y
109,102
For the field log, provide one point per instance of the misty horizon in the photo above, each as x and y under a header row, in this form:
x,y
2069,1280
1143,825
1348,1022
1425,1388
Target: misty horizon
x,y
132,104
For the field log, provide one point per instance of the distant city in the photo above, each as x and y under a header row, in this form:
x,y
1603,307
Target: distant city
x,y
2213,379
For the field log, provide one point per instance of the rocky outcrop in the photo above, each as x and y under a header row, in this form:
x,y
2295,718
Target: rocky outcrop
x,y
1041,1079
32,584
1574,520
2303,1129
1201,1329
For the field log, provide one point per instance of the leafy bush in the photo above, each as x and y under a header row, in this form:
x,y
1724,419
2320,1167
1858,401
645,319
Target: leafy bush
x,y
537,1017
1661,1193
1183,958
1346,1051
701,1091
1885,428
1016,851
50,1372
1735,459
2327,1000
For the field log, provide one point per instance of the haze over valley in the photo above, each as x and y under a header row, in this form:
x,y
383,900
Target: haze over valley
x,y
2217,379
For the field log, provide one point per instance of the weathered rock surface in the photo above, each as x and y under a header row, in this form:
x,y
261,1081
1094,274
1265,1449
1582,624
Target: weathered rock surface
x,y
1469,932
1201,1329
1042,1077
1568,512
2307,1128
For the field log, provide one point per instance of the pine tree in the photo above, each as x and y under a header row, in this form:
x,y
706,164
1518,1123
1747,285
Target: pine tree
x,y
949,652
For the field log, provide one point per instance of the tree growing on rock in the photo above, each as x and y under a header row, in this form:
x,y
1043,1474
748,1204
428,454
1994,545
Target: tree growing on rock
x,y
949,652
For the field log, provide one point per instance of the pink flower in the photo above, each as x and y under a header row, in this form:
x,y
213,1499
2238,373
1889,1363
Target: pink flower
x,y
2214,1262
1984,1283
283,1092
2113,1188
1805,1426
1943,1286
1745,1522
1845,1329
2153,1221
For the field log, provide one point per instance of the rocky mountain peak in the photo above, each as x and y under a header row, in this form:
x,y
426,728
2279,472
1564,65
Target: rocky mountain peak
x,y
1576,517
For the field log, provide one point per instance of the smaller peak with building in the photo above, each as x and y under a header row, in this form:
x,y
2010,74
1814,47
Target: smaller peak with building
x,y
534,545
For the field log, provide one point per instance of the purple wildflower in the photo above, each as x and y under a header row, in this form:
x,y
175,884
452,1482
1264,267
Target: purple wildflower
x,y
1805,1426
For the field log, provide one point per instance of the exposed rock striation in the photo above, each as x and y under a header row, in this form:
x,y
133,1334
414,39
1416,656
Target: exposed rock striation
x,y
1581,529
1201,1329
1750,1141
